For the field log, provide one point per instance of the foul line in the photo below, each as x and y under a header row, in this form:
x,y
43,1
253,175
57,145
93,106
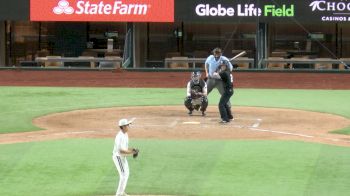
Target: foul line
x,y
281,132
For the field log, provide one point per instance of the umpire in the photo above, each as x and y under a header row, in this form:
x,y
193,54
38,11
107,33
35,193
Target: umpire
x,y
212,65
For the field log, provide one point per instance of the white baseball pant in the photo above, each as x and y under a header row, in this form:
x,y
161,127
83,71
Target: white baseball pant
x,y
123,169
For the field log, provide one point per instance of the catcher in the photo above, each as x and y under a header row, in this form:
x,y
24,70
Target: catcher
x,y
120,151
196,94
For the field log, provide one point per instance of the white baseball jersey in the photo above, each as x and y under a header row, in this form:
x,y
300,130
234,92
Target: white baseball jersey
x,y
121,142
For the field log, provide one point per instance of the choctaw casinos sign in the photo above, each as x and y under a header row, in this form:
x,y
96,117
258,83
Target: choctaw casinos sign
x,y
331,10
102,10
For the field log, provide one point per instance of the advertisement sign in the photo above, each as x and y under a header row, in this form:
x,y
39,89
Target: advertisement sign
x,y
102,10
220,11
330,10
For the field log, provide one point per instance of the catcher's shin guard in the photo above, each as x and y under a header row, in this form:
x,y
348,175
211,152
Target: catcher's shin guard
x,y
204,104
188,103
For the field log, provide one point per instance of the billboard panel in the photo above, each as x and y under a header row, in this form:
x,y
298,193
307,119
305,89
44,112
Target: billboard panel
x,y
102,10
228,11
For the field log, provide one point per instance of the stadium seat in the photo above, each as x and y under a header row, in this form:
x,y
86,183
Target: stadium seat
x,y
92,64
110,64
323,65
275,65
176,65
242,65
55,63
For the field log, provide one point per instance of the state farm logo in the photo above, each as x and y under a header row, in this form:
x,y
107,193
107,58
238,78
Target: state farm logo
x,y
63,7
101,8
330,6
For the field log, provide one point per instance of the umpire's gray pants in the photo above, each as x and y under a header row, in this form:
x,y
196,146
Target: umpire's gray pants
x,y
218,84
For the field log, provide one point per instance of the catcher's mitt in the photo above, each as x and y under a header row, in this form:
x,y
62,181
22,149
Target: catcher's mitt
x,y
135,152
195,94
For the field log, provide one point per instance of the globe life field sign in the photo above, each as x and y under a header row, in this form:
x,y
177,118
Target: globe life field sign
x,y
102,10
244,10
221,11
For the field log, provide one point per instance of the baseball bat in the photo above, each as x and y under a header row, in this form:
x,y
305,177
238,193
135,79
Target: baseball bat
x,y
238,55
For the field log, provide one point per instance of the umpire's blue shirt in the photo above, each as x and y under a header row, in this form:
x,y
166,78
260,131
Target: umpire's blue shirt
x,y
211,64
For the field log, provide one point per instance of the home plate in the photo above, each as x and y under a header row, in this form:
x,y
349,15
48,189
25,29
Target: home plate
x,y
191,123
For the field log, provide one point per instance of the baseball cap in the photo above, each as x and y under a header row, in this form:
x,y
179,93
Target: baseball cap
x,y
124,121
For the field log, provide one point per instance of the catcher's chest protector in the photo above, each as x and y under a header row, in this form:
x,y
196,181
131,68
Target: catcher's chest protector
x,y
198,87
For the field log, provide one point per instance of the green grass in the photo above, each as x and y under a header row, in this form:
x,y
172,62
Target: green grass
x,y
84,167
327,101
81,167
19,105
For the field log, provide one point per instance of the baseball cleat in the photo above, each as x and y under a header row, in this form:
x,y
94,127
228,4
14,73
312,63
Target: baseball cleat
x,y
203,114
223,122
190,113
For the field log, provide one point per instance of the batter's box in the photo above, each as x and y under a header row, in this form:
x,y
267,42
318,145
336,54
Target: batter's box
x,y
241,121
195,122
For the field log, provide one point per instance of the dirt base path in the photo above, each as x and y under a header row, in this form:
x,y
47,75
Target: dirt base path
x,y
172,122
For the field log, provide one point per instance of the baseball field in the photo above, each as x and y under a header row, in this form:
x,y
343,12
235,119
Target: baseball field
x,y
57,131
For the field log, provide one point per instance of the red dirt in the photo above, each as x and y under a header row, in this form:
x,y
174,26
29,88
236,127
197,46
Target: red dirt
x,y
172,122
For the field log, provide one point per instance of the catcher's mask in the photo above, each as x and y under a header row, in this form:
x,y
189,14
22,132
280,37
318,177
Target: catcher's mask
x,y
196,76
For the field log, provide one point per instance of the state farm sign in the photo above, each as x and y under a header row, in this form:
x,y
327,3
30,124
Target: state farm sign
x,y
102,10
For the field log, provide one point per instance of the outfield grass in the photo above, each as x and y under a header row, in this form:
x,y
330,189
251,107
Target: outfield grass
x,y
81,167
19,105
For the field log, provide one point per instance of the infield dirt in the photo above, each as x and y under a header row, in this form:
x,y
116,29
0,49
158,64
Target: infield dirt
x,y
172,122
